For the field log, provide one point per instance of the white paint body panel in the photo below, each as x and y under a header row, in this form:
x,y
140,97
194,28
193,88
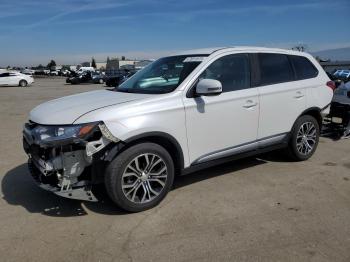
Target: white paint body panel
x,y
217,122
200,125
67,109
280,106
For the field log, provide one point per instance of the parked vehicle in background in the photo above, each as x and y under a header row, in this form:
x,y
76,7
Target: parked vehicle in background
x,y
179,114
41,72
65,72
340,110
97,78
71,76
28,71
118,77
83,77
10,78
54,73
85,68
86,77
342,75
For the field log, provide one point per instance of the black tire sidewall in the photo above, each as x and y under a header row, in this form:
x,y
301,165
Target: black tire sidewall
x,y
23,81
116,168
293,140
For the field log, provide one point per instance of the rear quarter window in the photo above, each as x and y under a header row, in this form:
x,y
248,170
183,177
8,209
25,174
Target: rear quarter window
x,y
274,69
303,68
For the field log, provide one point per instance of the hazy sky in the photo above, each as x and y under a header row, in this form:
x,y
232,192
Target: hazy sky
x,y
34,31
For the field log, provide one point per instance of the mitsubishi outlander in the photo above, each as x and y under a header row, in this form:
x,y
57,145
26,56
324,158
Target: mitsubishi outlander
x,y
179,114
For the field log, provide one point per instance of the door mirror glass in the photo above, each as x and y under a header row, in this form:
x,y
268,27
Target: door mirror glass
x,y
208,87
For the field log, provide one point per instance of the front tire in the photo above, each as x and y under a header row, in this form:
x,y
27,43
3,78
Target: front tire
x,y
140,177
304,138
23,83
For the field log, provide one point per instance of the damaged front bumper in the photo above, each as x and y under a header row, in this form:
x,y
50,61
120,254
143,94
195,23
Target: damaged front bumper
x,y
69,167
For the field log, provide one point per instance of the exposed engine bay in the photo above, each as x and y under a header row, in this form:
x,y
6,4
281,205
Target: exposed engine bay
x,y
67,160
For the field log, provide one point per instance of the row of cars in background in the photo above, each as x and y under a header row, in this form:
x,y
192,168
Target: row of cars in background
x,y
85,77
111,78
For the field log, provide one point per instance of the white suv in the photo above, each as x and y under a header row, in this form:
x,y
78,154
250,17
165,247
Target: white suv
x,y
179,114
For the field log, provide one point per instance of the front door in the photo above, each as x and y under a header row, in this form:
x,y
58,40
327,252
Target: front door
x,y
225,124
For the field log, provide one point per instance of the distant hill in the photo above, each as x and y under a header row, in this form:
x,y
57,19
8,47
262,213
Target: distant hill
x,y
339,54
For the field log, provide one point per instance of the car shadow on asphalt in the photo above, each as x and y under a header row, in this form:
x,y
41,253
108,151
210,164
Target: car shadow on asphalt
x,y
19,189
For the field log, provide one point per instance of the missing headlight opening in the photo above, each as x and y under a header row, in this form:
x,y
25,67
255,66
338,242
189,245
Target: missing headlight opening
x,y
68,166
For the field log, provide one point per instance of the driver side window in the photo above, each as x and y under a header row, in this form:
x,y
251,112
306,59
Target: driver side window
x,y
233,71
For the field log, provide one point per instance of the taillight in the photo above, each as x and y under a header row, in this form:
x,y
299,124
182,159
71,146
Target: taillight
x,y
332,85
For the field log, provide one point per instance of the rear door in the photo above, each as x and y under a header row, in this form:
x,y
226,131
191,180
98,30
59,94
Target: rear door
x,y
282,99
13,79
5,79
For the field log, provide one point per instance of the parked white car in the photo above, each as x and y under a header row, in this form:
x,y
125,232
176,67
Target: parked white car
x,y
54,73
9,78
85,68
28,71
179,114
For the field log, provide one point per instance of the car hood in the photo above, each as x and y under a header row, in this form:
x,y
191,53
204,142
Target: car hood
x,y
66,110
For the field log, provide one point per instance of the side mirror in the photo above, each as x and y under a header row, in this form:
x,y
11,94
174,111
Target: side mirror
x,y
208,87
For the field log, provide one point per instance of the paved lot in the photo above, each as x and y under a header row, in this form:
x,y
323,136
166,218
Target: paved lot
x,y
256,209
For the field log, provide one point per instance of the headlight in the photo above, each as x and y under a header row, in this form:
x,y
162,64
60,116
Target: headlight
x,y
54,133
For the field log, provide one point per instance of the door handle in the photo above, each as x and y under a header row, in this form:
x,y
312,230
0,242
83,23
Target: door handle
x,y
298,95
250,104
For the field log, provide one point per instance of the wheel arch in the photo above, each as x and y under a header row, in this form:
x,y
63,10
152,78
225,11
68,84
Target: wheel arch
x,y
163,139
315,112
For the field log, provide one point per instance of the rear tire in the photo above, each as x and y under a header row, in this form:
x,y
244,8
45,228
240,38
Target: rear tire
x,y
140,177
304,138
100,81
23,83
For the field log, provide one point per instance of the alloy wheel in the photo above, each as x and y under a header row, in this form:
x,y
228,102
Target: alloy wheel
x,y
306,138
144,178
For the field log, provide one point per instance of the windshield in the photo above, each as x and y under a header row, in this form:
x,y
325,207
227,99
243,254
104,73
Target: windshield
x,y
162,76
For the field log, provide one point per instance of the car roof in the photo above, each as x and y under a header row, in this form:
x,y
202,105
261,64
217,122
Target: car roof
x,y
209,51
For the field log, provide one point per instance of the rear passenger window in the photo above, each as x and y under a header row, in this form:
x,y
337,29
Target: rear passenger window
x,y
274,69
233,71
304,69
4,75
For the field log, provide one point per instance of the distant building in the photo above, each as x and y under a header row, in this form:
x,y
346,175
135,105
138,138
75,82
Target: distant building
x,y
101,65
116,63
127,62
